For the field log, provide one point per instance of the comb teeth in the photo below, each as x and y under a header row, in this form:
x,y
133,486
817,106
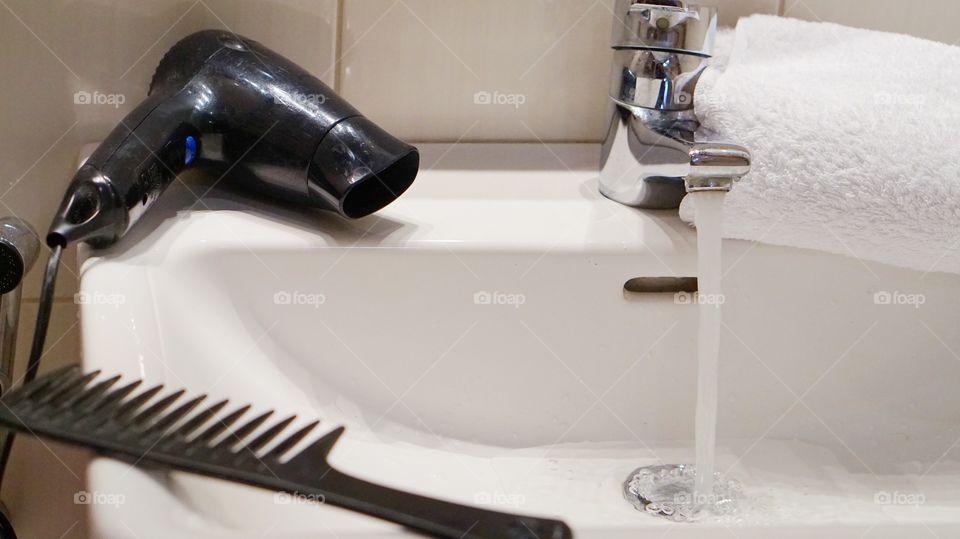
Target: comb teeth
x,y
266,437
44,383
68,390
292,440
234,438
199,419
167,421
95,392
221,425
110,403
131,406
143,424
180,437
157,408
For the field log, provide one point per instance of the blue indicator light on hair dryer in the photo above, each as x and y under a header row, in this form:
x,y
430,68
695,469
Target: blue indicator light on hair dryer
x,y
190,150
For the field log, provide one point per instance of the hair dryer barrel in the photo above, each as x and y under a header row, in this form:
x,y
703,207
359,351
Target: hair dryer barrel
x,y
230,105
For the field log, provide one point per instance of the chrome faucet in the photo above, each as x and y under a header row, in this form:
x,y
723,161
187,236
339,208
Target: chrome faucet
x,y
651,158
19,246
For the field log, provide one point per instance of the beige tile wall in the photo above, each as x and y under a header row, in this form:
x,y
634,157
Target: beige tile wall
x,y
931,19
437,69
423,68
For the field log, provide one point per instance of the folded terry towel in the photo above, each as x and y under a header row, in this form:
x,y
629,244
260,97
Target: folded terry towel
x,y
855,136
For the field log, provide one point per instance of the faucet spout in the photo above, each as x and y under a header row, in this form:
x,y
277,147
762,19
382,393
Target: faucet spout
x,y
715,166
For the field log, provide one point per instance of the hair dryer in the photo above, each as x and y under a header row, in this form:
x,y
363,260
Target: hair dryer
x,y
221,101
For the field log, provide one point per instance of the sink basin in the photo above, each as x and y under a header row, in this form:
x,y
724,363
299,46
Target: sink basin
x,y
476,341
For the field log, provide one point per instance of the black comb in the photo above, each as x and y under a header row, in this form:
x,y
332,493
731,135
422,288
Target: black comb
x,y
115,419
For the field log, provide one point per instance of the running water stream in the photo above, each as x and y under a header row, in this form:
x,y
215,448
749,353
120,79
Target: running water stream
x,y
683,492
709,210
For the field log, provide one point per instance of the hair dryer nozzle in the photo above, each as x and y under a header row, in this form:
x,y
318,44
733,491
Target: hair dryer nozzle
x,y
359,168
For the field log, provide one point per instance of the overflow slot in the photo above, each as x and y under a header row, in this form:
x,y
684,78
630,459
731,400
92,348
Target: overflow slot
x,y
660,285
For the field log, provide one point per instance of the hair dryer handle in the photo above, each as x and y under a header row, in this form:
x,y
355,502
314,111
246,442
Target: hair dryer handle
x,y
127,173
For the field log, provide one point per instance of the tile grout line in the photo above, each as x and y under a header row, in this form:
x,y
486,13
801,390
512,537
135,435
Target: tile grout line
x,y
338,49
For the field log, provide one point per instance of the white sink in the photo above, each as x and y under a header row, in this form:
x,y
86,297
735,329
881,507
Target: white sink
x,y
839,415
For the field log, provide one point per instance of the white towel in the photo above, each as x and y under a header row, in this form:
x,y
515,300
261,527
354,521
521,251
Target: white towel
x,y
855,137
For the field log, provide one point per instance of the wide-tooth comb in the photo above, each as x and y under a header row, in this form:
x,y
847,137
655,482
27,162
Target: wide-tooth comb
x,y
114,420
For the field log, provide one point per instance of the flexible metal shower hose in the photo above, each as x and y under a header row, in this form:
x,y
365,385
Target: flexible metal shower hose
x,y
36,351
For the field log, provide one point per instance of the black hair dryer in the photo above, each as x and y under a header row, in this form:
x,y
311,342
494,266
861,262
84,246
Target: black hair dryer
x,y
222,101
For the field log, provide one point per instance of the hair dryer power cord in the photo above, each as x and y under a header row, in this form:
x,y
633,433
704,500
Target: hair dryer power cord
x,y
43,313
